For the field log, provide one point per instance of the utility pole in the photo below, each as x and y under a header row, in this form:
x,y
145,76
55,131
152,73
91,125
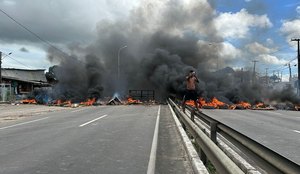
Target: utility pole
x,y
267,78
298,55
0,67
1,64
290,70
242,75
119,61
253,77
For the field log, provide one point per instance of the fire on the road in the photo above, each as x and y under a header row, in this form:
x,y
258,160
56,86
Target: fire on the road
x,y
214,103
29,101
217,104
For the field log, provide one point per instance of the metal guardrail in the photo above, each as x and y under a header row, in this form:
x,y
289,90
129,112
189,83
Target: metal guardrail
x,y
277,161
218,158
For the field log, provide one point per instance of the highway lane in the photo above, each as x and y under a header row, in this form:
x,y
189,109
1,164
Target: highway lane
x,y
277,130
90,140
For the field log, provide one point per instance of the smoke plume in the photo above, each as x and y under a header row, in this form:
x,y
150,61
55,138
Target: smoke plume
x,y
164,41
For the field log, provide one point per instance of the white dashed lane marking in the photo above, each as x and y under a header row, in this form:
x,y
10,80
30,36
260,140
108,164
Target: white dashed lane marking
x,y
84,124
32,121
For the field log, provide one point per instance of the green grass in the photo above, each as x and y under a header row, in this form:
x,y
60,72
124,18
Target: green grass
x,y
211,168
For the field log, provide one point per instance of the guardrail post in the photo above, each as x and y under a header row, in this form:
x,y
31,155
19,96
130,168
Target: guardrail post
x,y
193,115
203,157
209,150
183,126
213,131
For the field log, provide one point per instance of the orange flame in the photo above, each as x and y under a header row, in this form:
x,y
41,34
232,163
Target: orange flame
x,y
245,104
89,102
202,102
61,103
242,104
260,105
29,101
190,103
232,107
133,101
215,103
68,103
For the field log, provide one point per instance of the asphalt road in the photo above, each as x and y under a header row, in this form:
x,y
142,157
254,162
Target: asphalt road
x,y
10,112
93,140
277,130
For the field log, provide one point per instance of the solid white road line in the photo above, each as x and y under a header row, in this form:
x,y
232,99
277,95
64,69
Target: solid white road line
x,y
23,123
92,121
296,131
152,159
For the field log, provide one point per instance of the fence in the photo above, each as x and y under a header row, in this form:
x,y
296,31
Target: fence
x,y
143,95
5,92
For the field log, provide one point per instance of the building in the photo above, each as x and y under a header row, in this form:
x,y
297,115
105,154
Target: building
x,y
23,81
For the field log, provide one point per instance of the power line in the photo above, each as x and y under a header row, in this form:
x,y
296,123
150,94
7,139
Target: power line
x,y
31,32
9,56
19,62
40,38
282,66
281,49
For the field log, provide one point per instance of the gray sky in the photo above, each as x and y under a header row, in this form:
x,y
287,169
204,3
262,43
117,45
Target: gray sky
x,y
58,22
246,33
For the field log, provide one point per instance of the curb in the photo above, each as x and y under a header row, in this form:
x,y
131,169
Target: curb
x,y
198,166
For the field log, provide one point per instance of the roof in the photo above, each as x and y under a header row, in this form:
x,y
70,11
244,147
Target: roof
x,y
27,75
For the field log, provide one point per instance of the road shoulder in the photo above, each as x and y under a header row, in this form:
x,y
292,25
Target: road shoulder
x,y
171,155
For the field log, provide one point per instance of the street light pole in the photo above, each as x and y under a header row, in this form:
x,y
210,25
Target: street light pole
x,y
0,67
254,73
216,47
119,61
1,64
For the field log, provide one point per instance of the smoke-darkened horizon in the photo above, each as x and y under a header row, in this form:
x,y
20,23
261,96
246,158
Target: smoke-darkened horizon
x,y
164,41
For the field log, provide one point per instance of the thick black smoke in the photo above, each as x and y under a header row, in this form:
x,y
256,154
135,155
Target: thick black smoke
x,y
164,41
78,79
162,46
285,95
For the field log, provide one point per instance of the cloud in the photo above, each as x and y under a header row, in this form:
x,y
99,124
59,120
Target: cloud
x,y
272,60
290,29
35,58
59,22
185,15
285,77
237,25
23,49
9,2
270,41
257,48
221,54
298,10
229,51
